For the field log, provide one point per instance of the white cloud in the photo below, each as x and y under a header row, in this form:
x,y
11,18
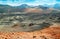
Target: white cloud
x,y
36,2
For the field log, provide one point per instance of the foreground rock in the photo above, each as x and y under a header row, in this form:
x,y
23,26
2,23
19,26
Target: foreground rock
x,y
48,33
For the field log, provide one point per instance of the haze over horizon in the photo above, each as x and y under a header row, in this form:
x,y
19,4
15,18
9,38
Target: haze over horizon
x,y
29,2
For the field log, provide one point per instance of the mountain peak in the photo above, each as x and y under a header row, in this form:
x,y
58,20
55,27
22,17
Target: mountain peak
x,y
23,5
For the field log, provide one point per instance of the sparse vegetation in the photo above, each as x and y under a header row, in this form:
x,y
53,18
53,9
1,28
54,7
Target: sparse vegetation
x,y
29,21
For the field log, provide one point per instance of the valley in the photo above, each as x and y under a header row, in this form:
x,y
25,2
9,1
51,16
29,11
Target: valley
x,y
19,22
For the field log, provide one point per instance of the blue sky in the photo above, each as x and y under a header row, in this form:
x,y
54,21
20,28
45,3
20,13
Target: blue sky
x,y
29,2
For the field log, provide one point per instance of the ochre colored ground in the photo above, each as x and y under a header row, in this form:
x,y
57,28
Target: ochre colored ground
x,y
48,33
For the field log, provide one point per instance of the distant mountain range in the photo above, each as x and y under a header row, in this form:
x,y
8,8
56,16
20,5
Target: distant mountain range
x,y
57,6
27,8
